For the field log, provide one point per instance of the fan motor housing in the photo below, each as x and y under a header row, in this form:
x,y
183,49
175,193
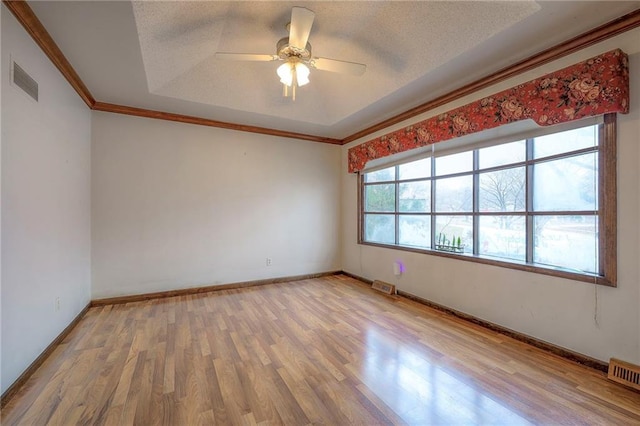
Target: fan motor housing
x,y
287,51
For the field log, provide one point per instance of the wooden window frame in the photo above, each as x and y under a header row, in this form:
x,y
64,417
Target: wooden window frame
x,y
606,212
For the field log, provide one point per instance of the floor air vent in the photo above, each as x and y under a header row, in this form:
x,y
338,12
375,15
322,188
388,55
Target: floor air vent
x,y
384,287
623,372
24,81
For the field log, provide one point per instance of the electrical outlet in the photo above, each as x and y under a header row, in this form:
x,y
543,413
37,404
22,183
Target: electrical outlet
x,y
57,304
268,261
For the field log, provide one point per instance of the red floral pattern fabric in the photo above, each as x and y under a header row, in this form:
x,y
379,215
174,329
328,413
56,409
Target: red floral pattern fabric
x,y
597,86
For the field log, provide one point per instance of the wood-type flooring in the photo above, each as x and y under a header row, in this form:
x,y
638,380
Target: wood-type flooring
x,y
321,351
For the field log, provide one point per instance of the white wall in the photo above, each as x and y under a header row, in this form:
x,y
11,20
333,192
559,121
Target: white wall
x,y
176,205
598,321
46,240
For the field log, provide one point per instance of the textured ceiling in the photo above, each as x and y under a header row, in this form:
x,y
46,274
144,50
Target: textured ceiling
x,y
160,55
394,39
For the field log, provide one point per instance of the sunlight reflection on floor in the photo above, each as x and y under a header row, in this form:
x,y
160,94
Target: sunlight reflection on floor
x,y
421,391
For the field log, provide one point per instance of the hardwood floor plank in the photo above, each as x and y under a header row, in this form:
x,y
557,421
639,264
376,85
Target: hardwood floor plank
x,y
114,413
390,415
135,391
258,352
235,400
288,408
124,379
306,398
262,409
327,350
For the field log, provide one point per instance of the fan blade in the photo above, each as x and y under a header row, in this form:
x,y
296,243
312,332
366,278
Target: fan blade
x,y
342,67
245,57
301,22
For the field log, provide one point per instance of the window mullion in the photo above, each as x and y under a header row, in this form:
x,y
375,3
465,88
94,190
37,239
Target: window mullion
x,y
433,202
529,238
475,228
361,213
397,206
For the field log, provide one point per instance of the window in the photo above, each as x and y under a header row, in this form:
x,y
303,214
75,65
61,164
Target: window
x,y
543,204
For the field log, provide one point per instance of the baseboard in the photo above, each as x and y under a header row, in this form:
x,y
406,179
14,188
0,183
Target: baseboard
x,y
540,344
358,277
15,386
198,290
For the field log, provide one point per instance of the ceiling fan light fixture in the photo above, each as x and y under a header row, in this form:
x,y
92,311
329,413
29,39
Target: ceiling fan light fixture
x,y
293,73
302,73
285,72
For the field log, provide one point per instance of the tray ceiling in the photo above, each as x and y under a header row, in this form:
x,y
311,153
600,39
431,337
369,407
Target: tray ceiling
x,y
160,55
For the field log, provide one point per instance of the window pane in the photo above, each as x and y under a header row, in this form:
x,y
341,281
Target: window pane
x,y
503,236
415,196
380,228
415,231
454,194
499,155
566,184
383,175
566,241
568,141
456,163
380,197
415,169
503,190
451,228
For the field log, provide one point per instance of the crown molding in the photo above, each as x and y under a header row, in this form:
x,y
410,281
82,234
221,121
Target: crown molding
x,y
168,116
603,32
24,14
28,19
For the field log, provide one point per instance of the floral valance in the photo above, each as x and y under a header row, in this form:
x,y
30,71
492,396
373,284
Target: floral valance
x,y
597,86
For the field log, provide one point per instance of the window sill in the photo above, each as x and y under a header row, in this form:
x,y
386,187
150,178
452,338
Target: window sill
x,y
521,266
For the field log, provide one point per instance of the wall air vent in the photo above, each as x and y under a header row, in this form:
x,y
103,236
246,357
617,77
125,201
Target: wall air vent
x,y
624,372
24,81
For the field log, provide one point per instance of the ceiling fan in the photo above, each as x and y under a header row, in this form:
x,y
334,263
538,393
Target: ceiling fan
x,y
295,51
